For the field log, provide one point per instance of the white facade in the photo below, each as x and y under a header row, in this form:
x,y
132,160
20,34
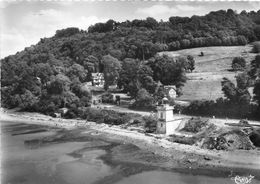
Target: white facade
x,y
165,112
98,79
171,91
166,123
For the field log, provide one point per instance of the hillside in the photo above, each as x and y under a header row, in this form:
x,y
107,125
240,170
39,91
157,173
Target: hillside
x,y
48,75
204,83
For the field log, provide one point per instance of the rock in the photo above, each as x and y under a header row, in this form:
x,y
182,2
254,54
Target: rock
x,y
207,158
191,160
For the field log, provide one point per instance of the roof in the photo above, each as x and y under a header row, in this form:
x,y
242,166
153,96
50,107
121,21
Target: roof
x,y
97,75
165,99
170,86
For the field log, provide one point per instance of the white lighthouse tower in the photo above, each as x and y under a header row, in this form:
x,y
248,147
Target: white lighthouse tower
x,y
166,123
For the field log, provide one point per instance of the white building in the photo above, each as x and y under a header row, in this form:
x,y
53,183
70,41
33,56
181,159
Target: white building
x,y
166,123
98,79
171,91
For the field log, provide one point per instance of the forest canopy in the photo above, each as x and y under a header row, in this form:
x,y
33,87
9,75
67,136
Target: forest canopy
x,y
49,75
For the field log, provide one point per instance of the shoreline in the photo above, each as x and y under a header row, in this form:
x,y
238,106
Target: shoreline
x,y
179,156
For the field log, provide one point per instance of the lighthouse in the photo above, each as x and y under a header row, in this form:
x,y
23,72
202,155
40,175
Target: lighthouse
x,y
166,123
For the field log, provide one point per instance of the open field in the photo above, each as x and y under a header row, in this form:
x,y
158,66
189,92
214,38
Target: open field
x,y
205,81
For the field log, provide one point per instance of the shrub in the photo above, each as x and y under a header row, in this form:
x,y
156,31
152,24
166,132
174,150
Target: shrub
x,y
222,108
255,137
107,98
144,100
137,122
178,108
116,118
71,114
26,100
100,116
113,119
238,63
195,125
243,122
150,124
256,47
182,139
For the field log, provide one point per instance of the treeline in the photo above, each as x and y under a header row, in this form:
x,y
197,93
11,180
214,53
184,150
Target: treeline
x,y
49,75
214,29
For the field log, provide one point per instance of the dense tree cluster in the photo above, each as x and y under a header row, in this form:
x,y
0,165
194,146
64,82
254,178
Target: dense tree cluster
x,y
144,80
49,75
238,63
239,94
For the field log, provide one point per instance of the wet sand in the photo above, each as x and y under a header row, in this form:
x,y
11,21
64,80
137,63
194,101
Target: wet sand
x,y
42,154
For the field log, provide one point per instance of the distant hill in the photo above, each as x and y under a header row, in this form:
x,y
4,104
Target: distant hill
x,y
51,71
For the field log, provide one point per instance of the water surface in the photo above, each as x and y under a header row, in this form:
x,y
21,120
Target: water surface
x,y
30,158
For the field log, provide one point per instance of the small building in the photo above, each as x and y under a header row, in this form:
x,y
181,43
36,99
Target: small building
x,y
166,123
171,91
98,79
63,111
96,100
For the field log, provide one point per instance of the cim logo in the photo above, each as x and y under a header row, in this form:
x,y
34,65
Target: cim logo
x,y
242,179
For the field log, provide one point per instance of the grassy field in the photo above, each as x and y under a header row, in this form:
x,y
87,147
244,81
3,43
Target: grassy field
x,y
205,81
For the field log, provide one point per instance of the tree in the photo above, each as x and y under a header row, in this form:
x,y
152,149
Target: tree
x,y
188,64
241,40
102,27
145,78
191,62
144,100
70,99
257,92
229,89
26,101
91,63
256,62
257,31
44,72
77,71
238,63
237,94
128,73
112,68
254,67
116,53
134,75
67,32
167,71
83,94
243,81
59,84
150,124
183,62
256,47
151,23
